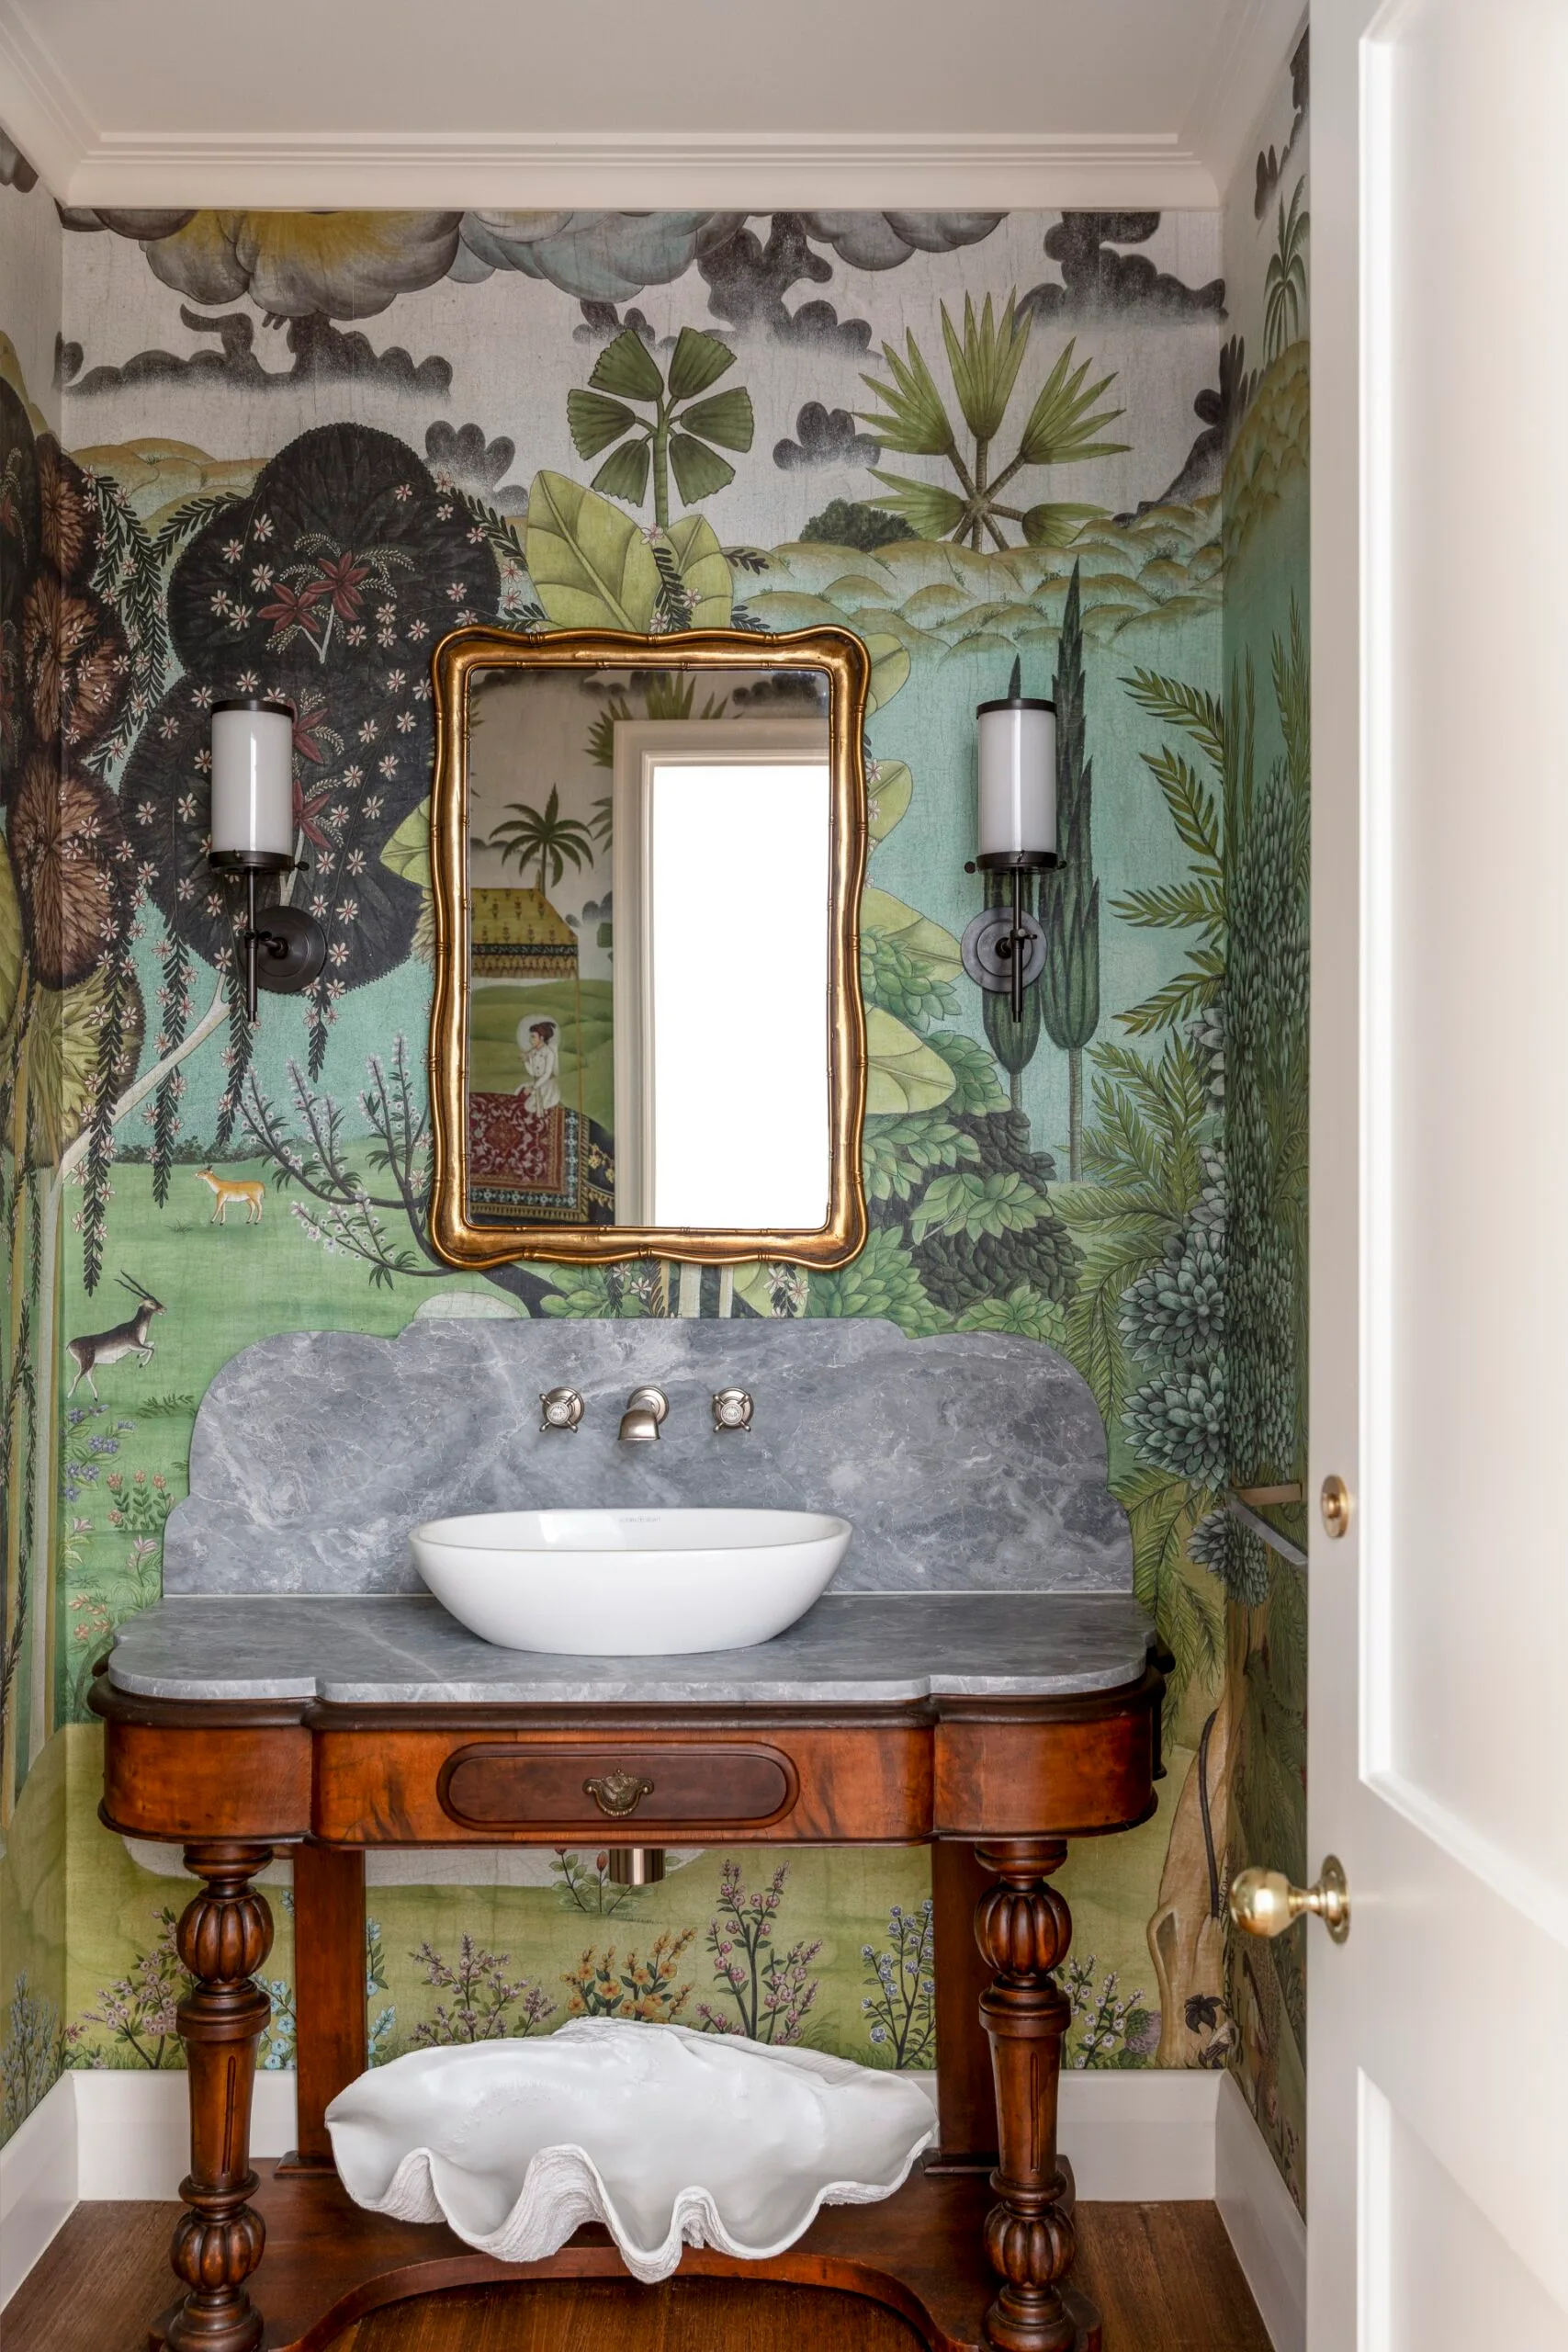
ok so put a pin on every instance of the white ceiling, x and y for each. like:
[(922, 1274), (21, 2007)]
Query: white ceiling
[(626, 102)]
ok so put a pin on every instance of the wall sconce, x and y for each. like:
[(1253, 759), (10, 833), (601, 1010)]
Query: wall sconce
[(253, 833), (1005, 946)]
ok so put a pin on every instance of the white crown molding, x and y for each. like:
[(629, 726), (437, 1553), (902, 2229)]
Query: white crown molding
[(755, 173), (1251, 49), (37, 105)]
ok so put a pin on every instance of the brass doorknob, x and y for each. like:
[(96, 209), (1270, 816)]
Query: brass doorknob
[(1264, 1902), (1336, 1504)]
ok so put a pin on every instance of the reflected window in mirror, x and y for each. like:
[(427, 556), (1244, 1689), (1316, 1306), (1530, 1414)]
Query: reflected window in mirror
[(659, 1015), (721, 872)]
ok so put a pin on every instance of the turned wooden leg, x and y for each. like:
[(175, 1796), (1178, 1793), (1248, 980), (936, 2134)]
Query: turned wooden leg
[(224, 1938), (1023, 1927)]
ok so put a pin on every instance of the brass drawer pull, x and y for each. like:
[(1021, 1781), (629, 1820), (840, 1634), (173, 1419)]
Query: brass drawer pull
[(617, 1793)]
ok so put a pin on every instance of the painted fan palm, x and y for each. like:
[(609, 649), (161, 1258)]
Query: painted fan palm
[(1285, 286), (679, 438), (543, 837), (1061, 428)]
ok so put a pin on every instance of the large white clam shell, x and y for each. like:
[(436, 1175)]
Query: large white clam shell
[(669, 2138)]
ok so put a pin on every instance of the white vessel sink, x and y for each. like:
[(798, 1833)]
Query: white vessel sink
[(629, 1583)]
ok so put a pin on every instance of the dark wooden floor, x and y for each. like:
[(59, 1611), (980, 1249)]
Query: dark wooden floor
[(1163, 2274)]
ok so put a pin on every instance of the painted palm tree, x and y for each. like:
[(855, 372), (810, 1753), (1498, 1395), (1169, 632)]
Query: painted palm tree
[(1285, 286), (543, 836), (679, 437), (1061, 428)]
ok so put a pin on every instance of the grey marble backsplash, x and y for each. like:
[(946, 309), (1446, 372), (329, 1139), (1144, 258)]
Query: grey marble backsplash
[(974, 1461)]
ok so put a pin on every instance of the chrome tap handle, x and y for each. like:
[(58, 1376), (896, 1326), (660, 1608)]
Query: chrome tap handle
[(561, 1409), (731, 1410)]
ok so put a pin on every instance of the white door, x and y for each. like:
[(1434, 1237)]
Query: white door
[(1438, 2062)]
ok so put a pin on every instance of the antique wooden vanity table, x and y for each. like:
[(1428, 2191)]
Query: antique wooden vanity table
[(997, 1725)]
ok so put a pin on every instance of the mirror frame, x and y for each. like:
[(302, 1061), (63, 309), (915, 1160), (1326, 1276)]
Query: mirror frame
[(455, 1238)]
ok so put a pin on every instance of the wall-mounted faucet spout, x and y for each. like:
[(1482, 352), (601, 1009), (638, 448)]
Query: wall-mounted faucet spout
[(646, 1407)]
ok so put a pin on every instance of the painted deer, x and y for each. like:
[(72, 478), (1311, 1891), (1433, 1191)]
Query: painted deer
[(224, 1190), (125, 1340)]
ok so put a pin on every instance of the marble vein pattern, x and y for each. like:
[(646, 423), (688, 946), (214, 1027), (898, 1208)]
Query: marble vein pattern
[(970, 1460), (871, 1648)]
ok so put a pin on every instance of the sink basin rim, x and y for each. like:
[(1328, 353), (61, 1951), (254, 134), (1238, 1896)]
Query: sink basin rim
[(728, 1529)]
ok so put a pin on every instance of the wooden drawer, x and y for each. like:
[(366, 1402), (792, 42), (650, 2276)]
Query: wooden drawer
[(488, 1786), (384, 1779)]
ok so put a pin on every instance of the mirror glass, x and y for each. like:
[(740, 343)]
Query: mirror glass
[(648, 1001)]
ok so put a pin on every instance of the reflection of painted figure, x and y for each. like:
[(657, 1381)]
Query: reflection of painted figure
[(536, 1043)]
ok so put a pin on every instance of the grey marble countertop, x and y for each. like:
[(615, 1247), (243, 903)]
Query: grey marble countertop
[(404, 1650)]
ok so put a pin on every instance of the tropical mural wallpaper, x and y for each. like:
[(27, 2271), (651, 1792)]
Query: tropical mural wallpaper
[(282, 453)]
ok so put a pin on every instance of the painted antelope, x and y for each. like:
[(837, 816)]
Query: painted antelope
[(125, 1340), (224, 1190)]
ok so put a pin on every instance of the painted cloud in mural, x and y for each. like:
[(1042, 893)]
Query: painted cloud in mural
[(461, 455), (316, 350), (599, 257), (346, 265), (883, 240), (1100, 282), (1271, 163), (827, 437), (15, 169), (352, 264)]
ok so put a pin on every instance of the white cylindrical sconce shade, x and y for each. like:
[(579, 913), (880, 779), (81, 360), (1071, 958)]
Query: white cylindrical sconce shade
[(252, 785), (1018, 782)]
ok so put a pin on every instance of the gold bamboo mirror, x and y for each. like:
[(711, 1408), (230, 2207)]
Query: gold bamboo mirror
[(647, 1039)]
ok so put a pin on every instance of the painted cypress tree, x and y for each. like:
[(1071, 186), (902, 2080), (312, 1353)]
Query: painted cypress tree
[(1068, 992), (1013, 1042)]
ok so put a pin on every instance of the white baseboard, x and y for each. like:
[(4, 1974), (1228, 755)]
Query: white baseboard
[(1139, 2137), (133, 2132), (1261, 2219), (37, 2184)]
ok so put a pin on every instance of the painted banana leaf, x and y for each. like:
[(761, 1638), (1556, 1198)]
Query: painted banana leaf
[(407, 851), (916, 933), (889, 669), (591, 566), (887, 797), (704, 571), (902, 1073)]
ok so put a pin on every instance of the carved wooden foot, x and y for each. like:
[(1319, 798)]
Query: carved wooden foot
[(224, 1938), (1023, 1927)]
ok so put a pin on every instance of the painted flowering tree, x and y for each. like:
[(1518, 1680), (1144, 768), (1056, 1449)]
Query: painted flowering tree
[(75, 675), (325, 588)]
